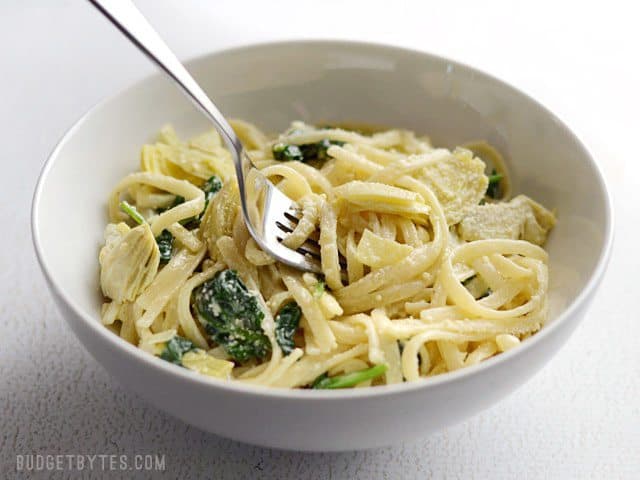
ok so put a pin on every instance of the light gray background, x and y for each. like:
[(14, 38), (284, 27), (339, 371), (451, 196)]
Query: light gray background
[(578, 418)]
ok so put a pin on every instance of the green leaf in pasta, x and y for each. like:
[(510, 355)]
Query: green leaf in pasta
[(232, 316), (348, 379), (165, 245), (304, 153), (176, 348), (493, 189), (133, 213), (287, 321)]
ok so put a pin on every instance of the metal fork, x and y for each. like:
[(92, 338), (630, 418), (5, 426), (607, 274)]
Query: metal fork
[(268, 213)]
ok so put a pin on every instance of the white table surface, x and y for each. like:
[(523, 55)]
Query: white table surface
[(578, 418)]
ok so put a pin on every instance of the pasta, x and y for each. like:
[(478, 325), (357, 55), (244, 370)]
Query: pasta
[(428, 266)]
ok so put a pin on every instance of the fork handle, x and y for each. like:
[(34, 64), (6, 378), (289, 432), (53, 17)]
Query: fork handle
[(128, 19)]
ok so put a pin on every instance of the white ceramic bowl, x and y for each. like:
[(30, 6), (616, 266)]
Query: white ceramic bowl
[(272, 84)]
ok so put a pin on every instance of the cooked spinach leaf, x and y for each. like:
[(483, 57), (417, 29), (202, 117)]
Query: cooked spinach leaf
[(176, 348), (493, 189), (304, 153), (287, 321), (232, 316), (284, 152), (210, 188), (165, 245)]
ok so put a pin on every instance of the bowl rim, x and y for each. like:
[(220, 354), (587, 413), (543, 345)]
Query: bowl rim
[(150, 361)]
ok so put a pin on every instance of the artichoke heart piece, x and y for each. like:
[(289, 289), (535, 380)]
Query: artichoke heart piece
[(189, 164), (129, 261), (458, 182), (220, 215), (195, 161), (209, 141), (521, 218), (153, 160)]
